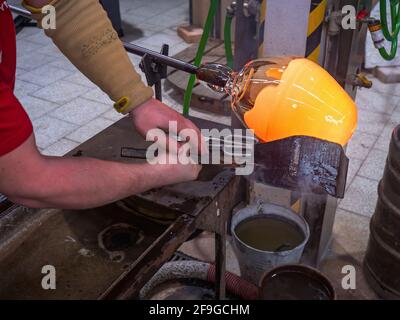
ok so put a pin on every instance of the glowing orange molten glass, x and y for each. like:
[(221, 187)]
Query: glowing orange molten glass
[(283, 97)]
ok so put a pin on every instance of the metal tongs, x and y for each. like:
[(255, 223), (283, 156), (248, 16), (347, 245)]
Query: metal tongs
[(300, 163), (230, 149)]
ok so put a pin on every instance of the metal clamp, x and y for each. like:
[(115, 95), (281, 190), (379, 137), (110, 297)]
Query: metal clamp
[(251, 8), (231, 9), (155, 71)]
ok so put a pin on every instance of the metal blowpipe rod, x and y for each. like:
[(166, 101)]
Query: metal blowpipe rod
[(214, 74), (20, 11), (160, 58)]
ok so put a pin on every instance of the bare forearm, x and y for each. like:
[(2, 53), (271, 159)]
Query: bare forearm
[(36, 181), (79, 183)]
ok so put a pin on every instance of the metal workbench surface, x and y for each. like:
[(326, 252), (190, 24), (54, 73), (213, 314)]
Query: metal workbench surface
[(109, 252)]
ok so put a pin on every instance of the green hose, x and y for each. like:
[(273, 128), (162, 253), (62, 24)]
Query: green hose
[(228, 40), (199, 55), (393, 35)]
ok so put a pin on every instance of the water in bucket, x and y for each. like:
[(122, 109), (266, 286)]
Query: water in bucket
[(266, 236), (269, 233)]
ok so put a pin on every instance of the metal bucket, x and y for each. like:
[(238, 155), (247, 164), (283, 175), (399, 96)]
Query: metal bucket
[(253, 262), (382, 259), (295, 282)]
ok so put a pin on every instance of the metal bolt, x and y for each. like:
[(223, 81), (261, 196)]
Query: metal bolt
[(218, 210), (360, 80)]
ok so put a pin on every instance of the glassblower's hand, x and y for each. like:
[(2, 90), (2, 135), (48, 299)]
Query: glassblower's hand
[(154, 114), (176, 173)]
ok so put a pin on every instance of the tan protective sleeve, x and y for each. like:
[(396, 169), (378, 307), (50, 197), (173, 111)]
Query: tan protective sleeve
[(85, 35)]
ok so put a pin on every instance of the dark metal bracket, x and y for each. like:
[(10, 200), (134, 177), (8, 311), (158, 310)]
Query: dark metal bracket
[(155, 71), (20, 22)]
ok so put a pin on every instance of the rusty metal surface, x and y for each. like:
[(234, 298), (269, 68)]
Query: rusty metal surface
[(109, 252), (304, 164), (191, 200), (213, 217), (313, 209), (70, 242), (5, 204), (185, 198), (128, 285), (216, 218)]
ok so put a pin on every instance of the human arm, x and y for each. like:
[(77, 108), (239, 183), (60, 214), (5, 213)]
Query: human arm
[(85, 35), (108, 66), (37, 181)]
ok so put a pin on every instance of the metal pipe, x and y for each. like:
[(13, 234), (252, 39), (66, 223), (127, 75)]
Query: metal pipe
[(20, 11), (158, 57)]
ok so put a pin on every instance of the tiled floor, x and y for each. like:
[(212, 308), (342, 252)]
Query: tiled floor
[(67, 109), (379, 113)]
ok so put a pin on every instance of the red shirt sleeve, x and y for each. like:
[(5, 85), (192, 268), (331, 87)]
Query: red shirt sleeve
[(15, 125)]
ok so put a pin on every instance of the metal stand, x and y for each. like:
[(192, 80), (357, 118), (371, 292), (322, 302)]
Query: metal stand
[(20, 22), (319, 212), (216, 221), (155, 71), (245, 39)]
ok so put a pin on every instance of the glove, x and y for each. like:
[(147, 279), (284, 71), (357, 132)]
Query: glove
[(85, 35)]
